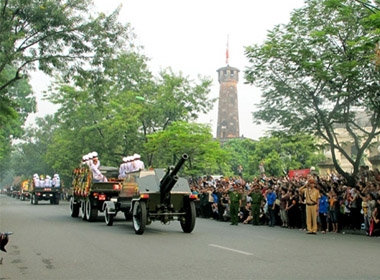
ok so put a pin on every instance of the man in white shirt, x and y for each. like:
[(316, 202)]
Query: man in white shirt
[(138, 163), (48, 181), (56, 182), (123, 168), (97, 176)]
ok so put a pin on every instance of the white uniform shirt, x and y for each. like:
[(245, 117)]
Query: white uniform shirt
[(36, 182), (139, 164), (48, 183), (56, 182)]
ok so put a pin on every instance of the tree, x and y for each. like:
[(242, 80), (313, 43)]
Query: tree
[(195, 140), (56, 37), (240, 151), (15, 105), (317, 72), (172, 97)]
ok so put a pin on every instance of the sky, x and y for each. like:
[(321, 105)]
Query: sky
[(191, 37)]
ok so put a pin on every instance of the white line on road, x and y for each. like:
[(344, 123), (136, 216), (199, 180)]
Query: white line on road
[(230, 249)]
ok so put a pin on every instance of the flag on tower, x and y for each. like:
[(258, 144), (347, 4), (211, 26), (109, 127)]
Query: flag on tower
[(227, 52)]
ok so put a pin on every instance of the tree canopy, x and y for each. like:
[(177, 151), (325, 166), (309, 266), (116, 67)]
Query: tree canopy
[(317, 73), (60, 38)]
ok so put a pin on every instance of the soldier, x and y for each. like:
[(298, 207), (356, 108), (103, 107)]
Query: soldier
[(235, 204), (138, 162), (48, 181), (42, 181), (133, 164), (96, 174), (123, 168), (257, 198), (56, 182), (36, 180)]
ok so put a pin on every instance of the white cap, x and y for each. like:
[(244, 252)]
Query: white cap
[(135, 156), (48, 177), (94, 154), (35, 175), (125, 159), (56, 175)]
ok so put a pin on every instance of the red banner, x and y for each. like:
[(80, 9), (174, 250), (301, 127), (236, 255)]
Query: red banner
[(298, 173)]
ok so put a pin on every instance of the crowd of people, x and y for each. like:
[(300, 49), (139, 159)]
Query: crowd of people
[(311, 203)]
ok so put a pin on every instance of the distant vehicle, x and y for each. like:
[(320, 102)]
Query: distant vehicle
[(16, 191), (24, 193), (37, 193)]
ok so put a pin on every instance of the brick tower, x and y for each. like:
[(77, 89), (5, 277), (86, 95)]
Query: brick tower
[(228, 110)]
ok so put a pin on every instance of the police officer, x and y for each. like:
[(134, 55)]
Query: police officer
[(311, 195), (235, 204), (257, 198)]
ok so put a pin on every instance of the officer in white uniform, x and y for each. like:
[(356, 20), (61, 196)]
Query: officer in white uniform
[(123, 168), (36, 180), (139, 164), (48, 181), (95, 164), (56, 182)]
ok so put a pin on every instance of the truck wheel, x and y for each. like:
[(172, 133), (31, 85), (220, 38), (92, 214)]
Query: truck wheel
[(31, 199), (83, 210), (188, 221), (139, 217), (108, 217), (91, 211), (34, 199), (22, 198), (74, 208), (56, 202)]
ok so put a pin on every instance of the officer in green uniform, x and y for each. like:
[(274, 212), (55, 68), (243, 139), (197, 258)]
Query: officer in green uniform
[(257, 198), (235, 204)]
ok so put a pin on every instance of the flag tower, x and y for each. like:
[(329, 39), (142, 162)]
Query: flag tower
[(228, 109)]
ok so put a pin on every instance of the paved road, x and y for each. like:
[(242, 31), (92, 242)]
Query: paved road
[(49, 244)]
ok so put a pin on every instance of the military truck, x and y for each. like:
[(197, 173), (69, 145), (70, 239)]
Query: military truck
[(154, 195), (52, 194), (15, 191), (87, 197), (25, 190)]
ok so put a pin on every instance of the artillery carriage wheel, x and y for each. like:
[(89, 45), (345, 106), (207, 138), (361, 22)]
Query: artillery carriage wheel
[(188, 221), (108, 217), (91, 211), (74, 208), (139, 217)]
